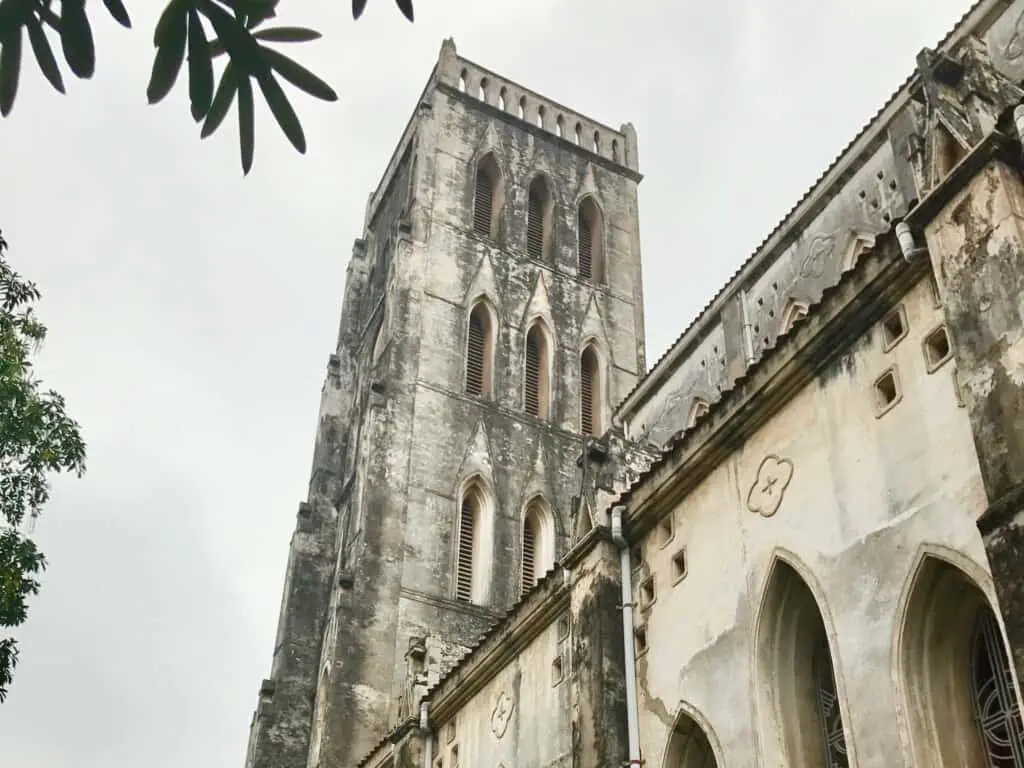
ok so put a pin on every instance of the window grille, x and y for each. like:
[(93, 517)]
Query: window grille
[(534, 358), (995, 700), (476, 353), (586, 246), (483, 203), (830, 718), (529, 553), (535, 225), (588, 399), (464, 575)]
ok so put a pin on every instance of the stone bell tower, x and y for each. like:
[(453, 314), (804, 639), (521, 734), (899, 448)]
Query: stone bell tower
[(492, 319)]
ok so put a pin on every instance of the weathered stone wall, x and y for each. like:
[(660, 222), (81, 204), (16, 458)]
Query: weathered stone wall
[(852, 497)]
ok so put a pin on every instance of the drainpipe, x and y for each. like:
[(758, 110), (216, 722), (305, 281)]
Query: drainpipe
[(428, 748), (748, 337), (626, 567)]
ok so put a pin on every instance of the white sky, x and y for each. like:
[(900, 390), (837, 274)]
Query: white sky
[(191, 311)]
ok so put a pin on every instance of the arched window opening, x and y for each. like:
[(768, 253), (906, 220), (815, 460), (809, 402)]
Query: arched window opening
[(597, 142), (540, 116), (799, 704), (481, 90), (538, 549), (579, 134), (689, 746), (560, 127), (480, 352), (487, 198), (961, 700), (470, 576), (591, 400), (522, 108), (502, 102), (538, 219), (615, 150), (462, 81), (590, 245), (698, 409), (537, 376)]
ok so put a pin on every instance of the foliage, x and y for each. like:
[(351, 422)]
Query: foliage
[(181, 35), (36, 439)]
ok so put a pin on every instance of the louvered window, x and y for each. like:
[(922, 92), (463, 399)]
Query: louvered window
[(533, 372), (589, 393), (464, 575), (535, 215), (476, 353), (483, 203), (586, 247), (529, 554)]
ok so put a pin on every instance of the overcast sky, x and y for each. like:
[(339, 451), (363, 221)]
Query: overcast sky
[(191, 312)]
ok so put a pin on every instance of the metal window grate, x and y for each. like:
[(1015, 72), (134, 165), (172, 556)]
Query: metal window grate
[(995, 700), (588, 375), (476, 353), (829, 714), (483, 203), (529, 554), (464, 571)]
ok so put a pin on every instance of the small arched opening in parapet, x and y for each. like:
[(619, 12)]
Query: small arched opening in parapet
[(503, 99), (473, 536), (799, 703), (592, 385), (698, 409), (590, 241), (794, 312), (522, 107), (541, 111), (537, 370), (615, 150), (481, 338), (538, 550), (539, 218), (481, 91), (597, 143), (579, 134), (560, 127), (960, 698), (462, 80), (488, 197), (690, 744)]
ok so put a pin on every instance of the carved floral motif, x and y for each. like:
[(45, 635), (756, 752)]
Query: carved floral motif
[(818, 253), (773, 476), (501, 714)]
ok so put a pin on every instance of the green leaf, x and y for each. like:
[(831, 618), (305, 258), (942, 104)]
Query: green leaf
[(221, 100), (168, 17), (76, 38), (405, 6), (299, 76), (10, 69), (239, 42), (44, 54), (200, 67), (358, 6), (282, 111), (119, 12), (217, 48), (287, 35), (246, 123), (170, 54)]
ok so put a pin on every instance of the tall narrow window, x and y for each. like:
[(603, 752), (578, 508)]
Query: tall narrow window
[(479, 352), (590, 246), (538, 220), (995, 699), (538, 551), (537, 376), (469, 523), (487, 198), (590, 393)]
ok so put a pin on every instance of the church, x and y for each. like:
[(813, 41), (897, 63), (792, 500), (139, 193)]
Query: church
[(796, 539)]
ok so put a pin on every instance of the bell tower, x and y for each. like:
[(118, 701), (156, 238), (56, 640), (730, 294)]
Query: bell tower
[(492, 319)]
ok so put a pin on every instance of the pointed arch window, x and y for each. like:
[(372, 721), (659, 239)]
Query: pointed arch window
[(471, 563), (488, 197), (538, 220), (538, 550), (590, 245), (591, 396), (480, 351), (537, 373), (794, 312), (689, 746), (698, 409)]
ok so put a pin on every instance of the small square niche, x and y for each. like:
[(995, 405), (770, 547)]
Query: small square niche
[(647, 593), (937, 349), (666, 530), (894, 328), (678, 566), (640, 640), (886, 391)]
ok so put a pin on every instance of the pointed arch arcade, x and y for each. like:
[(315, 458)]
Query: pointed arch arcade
[(481, 337), (591, 391), (538, 551), (539, 218), (537, 370), (473, 536), (488, 197), (590, 241)]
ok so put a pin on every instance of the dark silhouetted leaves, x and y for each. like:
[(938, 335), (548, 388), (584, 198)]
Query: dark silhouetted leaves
[(358, 6), (282, 110), (226, 90), (405, 6), (200, 67), (10, 69), (246, 123), (170, 53), (76, 38), (286, 35), (44, 54), (299, 76), (119, 12)]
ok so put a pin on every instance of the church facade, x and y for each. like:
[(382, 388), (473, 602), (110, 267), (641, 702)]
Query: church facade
[(794, 540)]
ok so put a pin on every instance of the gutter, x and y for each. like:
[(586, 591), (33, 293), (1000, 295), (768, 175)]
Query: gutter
[(626, 567)]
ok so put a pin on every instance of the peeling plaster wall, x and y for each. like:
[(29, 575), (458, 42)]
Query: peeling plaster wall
[(867, 495)]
